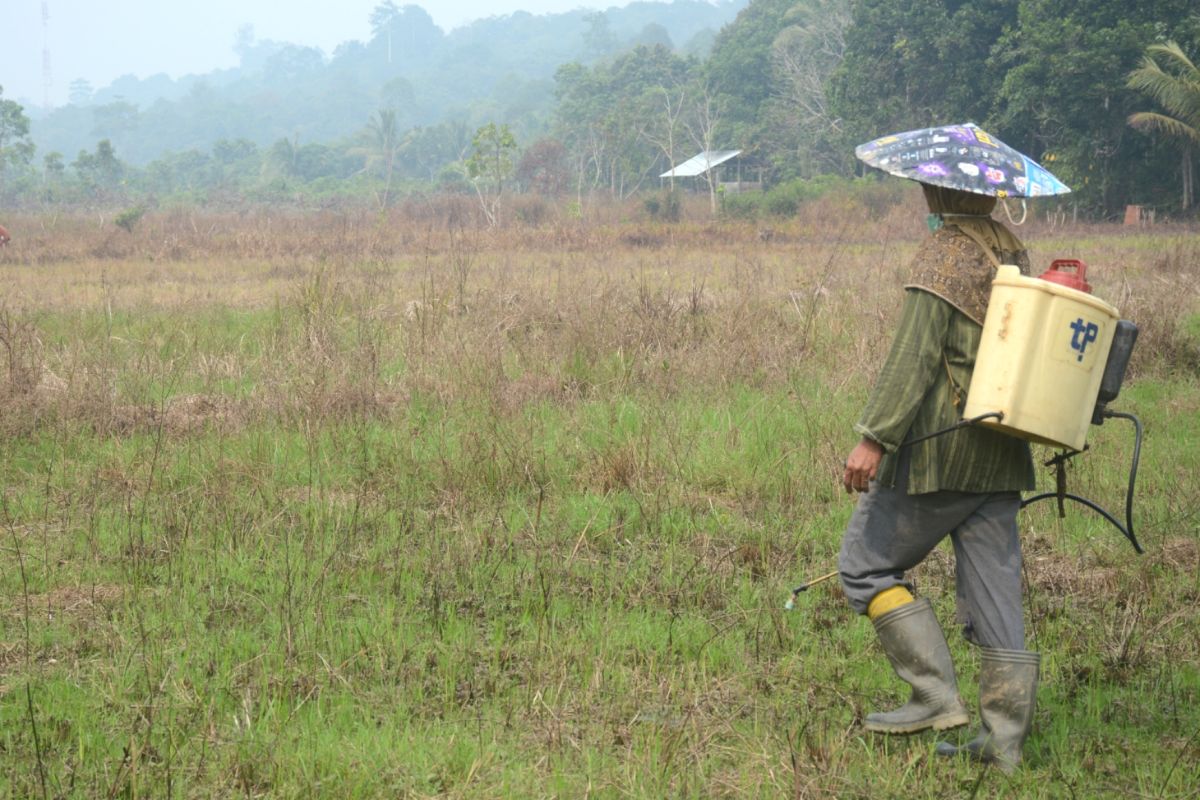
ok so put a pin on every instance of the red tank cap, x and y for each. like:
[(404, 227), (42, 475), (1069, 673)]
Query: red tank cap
[(1069, 272)]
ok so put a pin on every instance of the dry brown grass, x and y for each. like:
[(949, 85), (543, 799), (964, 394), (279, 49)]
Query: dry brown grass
[(513, 315), (671, 535)]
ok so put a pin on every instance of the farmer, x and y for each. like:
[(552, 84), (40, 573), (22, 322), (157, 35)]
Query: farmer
[(965, 485)]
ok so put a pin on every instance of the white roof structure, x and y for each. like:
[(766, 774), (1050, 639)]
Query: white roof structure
[(700, 164)]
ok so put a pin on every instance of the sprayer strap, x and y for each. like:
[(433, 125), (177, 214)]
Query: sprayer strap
[(983, 245), (955, 391)]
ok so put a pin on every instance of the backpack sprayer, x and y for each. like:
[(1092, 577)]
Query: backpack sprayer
[(1051, 358)]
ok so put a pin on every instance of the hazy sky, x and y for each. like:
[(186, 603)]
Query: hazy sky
[(101, 41)]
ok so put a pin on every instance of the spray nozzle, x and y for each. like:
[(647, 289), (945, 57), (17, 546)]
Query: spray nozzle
[(804, 587)]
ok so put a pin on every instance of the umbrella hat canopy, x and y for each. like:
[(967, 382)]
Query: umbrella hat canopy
[(963, 157)]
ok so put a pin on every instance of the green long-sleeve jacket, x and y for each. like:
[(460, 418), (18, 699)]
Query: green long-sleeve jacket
[(922, 388)]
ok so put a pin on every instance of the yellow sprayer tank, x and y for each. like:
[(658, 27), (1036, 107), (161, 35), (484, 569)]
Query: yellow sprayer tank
[(1040, 359)]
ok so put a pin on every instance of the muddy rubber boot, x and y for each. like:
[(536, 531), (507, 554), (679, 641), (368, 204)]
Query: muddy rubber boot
[(916, 646), (1007, 690)]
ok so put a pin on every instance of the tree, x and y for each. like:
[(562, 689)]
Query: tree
[(189, 170), (80, 92), (543, 168), (281, 159), (1065, 68), (383, 18), (108, 167), (380, 144), (315, 160), (16, 148), (243, 41), (100, 171), (406, 33), (702, 126), (917, 63), (52, 164), (1175, 84), (653, 34), (424, 152), (490, 165), (292, 63), (53, 169), (664, 130), (114, 119), (398, 95), (611, 116), (598, 39), (800, 126), (233, 161), (253, 54), (227, 152), (740, 68)]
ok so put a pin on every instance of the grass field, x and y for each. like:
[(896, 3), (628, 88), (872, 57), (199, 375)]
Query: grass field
[(332, 505)]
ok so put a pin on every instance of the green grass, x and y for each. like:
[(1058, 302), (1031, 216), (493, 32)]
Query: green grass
[(546, 560)]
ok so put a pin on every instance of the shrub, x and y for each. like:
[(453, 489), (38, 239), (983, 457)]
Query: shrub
[(664, 205), (129, 218), (748, 205)]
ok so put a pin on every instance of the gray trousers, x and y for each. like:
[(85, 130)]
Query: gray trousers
[(891, 532)]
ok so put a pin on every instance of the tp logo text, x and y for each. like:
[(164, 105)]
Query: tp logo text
[(1085, 334)]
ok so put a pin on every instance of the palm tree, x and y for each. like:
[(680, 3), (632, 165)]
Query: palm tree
[(1175, 84), (380, 146)]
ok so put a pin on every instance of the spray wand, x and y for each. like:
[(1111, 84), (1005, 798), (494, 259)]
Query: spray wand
[(804, 587)]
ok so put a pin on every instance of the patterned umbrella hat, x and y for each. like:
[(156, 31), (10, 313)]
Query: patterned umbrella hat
[(963, 157)]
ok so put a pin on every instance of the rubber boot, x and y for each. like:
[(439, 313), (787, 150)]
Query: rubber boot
[(916, 646), (1007, 689)]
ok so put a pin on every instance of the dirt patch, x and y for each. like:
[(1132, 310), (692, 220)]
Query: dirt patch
[(180, 415), (1066, 576), (76, 602), (1181, 555), (333, 499), (529, 389), (195, 412)]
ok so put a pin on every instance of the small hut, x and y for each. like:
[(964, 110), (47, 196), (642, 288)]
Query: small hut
[(721, 169)]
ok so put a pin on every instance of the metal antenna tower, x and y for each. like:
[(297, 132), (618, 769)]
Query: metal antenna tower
[(47, 81)]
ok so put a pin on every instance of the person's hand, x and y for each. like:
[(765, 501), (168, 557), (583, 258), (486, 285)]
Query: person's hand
[(862, 465)]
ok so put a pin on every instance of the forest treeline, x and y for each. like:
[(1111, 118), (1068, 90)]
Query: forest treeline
[(1104, 92)]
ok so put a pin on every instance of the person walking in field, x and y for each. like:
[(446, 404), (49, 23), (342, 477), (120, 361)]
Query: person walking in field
[(965, 485)]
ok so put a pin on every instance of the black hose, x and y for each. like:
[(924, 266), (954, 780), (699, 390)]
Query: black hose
[(962, 423), (1083, 500), (1127, 528), (1137, 453)]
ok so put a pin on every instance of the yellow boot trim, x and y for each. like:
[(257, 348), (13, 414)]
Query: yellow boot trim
[(888, 600)]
